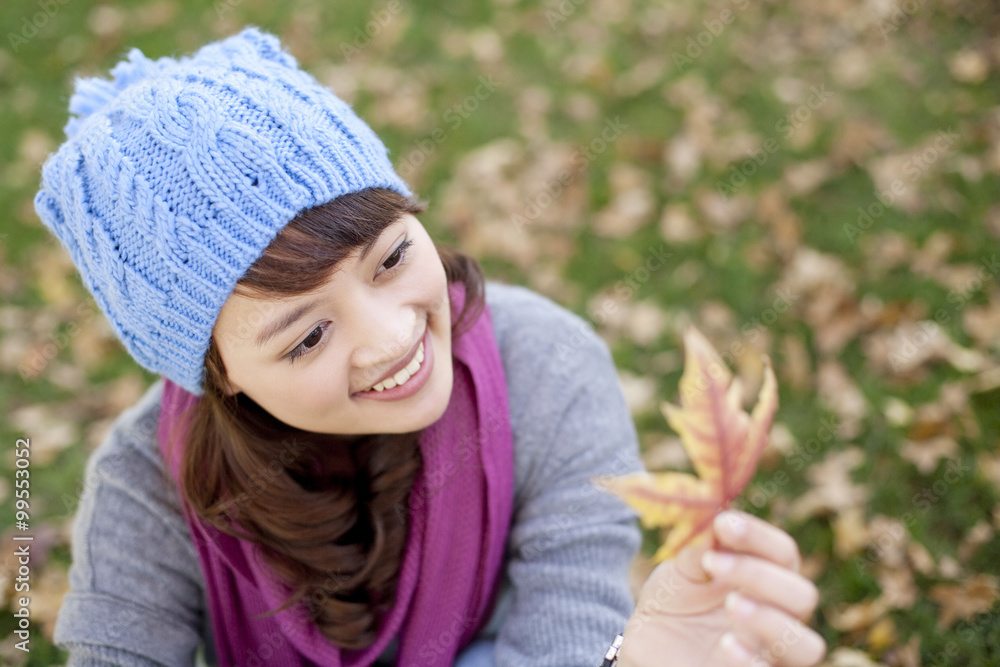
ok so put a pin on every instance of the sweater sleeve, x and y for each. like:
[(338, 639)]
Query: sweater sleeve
[(136, 593), (570, 544), (136, 590)]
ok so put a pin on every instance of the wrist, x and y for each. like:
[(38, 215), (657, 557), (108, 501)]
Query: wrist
[(624, 657), (634, 651), (611, 655)]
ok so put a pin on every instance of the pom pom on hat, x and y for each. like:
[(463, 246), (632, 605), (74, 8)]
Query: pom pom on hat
[(177, 173), (93, 94)]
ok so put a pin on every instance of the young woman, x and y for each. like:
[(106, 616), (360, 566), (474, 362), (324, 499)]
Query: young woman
[(360, 452)]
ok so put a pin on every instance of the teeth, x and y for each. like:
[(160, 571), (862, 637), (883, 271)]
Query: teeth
[(404, 374)]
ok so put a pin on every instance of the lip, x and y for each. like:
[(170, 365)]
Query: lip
[(415, 383)]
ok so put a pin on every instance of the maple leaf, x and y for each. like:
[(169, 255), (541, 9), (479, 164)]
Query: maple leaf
[(723, 442)]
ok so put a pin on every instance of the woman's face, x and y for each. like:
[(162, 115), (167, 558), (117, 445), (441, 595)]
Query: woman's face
[(310, 360)]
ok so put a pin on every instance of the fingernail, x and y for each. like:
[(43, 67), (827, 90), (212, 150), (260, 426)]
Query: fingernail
[(717, 563), (733, 647), (732, 522), (740, 605)]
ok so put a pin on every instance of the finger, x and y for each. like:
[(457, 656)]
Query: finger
[(746, 533), (735, 653), (771, 636), (688, 563), (764, 581)]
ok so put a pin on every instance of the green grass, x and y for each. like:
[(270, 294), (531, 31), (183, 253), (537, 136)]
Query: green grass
[(911, 95)]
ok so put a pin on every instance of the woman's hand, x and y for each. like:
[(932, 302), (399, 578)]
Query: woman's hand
[(748, 610)]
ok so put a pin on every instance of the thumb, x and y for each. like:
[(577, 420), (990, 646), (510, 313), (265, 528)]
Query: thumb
[(688, 563)]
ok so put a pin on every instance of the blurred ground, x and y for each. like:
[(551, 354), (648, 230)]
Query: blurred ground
[(817, 180)]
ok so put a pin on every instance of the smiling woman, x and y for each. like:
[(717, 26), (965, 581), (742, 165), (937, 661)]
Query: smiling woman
[(360, 452), (346, 295), (361, 272)]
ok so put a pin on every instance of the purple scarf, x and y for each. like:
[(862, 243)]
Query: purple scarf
[(459, 519)]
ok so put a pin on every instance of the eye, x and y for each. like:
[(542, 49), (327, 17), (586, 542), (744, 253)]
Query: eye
[(315, 338), (311, 342), (398, 256)]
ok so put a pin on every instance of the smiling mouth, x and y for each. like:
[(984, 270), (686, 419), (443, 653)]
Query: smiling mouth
[(403, 375), (404, 370), (421, 360)]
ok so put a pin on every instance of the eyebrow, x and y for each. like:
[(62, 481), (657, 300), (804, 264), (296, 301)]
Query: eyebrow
[(367, 248), (279, 325)]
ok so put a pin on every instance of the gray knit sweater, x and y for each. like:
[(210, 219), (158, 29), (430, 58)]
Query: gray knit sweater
[(137, 595)]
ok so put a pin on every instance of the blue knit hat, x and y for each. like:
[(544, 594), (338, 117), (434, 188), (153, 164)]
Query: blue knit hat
[(177, 174)]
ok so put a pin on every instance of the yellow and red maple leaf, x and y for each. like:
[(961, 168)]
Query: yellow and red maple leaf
[(723, 442)]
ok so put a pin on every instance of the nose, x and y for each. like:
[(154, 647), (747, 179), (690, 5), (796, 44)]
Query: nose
[(383, 333)]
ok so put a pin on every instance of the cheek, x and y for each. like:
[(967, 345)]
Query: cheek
[(433, 282), (320, 391)]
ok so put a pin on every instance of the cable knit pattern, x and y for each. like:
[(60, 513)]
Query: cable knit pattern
[(177, 174)]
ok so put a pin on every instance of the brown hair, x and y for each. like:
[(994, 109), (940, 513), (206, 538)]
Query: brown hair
[(328, 511)]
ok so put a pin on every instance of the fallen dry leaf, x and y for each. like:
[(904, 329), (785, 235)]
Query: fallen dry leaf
[(785, 225), (850, 532), (831, 489), (849, 657), (839, 392), (925, 454), (969, 66), (905, 655), (632, 204), (860, 616), (723, 442), (979, 535), (882, 635), (920, 558), (898, 588), (677, 226), (965, 599)]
